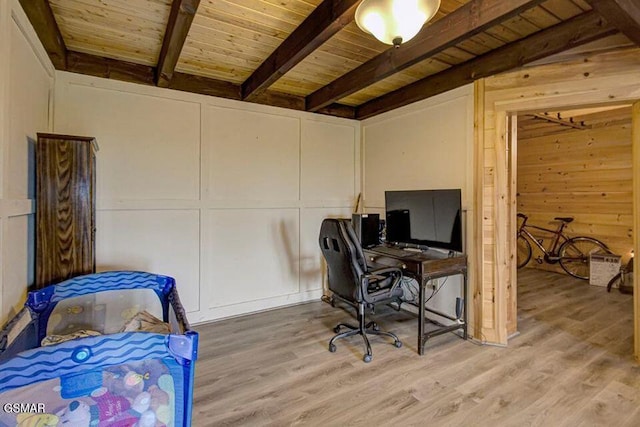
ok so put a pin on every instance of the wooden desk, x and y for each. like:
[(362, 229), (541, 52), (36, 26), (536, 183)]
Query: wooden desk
[(423, 267)]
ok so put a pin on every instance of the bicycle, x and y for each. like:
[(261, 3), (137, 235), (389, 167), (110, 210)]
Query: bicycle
[(624, 279), (572, 253)]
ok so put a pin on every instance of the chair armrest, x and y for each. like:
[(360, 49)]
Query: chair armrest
[(381, 273)]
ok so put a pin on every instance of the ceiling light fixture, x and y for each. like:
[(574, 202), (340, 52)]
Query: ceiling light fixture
[(395, 21)]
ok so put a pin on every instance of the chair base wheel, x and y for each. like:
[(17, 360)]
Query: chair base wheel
[(363, 329)]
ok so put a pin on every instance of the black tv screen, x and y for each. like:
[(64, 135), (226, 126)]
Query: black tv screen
[(431, 218)]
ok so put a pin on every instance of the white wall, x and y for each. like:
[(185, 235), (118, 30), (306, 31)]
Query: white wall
[(26, 81), (426, 145), (226, 197)]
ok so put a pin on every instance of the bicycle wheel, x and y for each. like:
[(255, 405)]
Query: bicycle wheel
[(574, 255), (524, 251)]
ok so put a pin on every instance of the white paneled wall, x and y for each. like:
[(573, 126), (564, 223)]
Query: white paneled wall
[(327, 162), (426, 145), (149, 145), (125, 238), (26, 81), (256, 244), (226, 197), (251, 155)]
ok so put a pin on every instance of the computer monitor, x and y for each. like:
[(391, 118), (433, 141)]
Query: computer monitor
[(425, 218)]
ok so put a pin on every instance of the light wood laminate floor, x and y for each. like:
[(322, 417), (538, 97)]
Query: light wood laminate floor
[(571, 365)]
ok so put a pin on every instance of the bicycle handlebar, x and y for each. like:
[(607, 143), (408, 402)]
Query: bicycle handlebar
[(521, 215)]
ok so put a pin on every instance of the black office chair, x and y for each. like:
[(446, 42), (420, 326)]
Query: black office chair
[(350, 280)]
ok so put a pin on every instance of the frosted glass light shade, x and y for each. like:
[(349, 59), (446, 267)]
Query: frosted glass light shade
[(395, 21)]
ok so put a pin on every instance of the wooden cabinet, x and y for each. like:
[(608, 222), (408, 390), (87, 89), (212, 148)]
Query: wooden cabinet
[(65, 207)]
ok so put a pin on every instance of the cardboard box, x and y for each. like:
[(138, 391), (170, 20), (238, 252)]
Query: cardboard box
[(602, 267)]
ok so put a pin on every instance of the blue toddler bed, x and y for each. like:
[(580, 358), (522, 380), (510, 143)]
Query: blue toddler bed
[(106, 349)]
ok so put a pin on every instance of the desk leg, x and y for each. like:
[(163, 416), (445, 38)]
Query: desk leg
[(421, 317)]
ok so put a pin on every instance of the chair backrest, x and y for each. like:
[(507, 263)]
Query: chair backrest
[(345, 259)]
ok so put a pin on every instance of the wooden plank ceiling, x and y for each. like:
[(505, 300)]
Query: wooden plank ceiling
[(309, 54)]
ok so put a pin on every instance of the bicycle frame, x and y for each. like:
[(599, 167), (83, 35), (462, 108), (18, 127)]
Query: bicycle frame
[(551, 255), (572, 253)]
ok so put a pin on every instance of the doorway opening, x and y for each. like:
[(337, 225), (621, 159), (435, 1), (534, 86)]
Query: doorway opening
[(573, 172)]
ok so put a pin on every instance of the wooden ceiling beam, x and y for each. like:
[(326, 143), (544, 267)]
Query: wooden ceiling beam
[(623, 14), (325, 21), (461, 24), (180, 19), (204, 86), (582, 29), (222, 89), (44, 23), (92, 65), (107, 68)]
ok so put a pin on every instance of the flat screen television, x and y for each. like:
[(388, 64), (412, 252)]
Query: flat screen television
[(424, 218)]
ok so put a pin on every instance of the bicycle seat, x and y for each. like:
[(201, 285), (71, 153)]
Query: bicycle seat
[(564, 219)]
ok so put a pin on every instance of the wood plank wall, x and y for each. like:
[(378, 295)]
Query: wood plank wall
[(585, 174), (590, 80)]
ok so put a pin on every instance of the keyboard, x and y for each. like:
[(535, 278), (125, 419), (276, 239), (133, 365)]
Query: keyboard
[(395, 252)]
